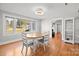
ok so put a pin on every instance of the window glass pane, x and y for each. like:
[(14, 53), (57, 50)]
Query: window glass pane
[(9, 25), (22, 25)]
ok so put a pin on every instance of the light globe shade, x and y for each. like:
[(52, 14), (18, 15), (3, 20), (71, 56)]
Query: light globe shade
[(39, 11)]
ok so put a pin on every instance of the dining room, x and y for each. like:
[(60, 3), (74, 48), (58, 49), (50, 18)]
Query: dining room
[(39, 29)]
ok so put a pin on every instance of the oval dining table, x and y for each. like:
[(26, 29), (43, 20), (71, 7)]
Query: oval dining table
[(35, 37)]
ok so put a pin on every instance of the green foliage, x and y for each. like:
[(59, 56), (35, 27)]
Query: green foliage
[(22, 22), (9, 24)]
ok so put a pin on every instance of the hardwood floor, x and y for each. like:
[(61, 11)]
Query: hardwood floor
[(56, 47)]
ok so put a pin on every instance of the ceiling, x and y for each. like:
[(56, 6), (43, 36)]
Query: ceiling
[(51, 9)]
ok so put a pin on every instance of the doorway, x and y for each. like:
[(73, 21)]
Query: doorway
[(59, 27)]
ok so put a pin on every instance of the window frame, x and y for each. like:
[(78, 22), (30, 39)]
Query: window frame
[(14, 24), (14, 27)]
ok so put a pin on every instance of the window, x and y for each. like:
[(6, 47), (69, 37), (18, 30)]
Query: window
[(22, 25), (17, 25), (9, 25)]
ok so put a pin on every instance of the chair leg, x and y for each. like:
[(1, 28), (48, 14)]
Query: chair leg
[(26, 51), (44, 47), (32, 48), (38, 45), (22, 50)]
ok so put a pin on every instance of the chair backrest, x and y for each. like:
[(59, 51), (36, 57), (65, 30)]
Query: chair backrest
[(46, 37), (24, 36), (25, 39)]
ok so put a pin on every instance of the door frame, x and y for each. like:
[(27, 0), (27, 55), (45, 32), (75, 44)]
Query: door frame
[(52, 21)]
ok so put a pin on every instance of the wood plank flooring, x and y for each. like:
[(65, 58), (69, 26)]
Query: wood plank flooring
[(56, 47)]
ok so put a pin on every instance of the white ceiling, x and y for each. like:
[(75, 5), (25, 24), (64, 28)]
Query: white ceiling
[(51, 9)]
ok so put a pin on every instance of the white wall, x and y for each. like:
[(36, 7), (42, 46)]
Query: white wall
[(68, 11), (46, 25), (1, 24)]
